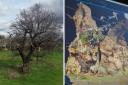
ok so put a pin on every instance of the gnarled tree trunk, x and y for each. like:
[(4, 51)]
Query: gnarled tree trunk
[(26, 65), (26, 60)]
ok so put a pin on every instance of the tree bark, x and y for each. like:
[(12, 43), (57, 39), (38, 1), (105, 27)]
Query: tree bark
[(26, 60), (37, 54), (26, 65)]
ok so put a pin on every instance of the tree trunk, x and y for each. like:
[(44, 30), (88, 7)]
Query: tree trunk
[(26, 59), (26, 65), (37, 54)]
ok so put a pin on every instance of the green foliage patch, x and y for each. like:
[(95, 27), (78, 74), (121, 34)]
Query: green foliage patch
[(48, 71)]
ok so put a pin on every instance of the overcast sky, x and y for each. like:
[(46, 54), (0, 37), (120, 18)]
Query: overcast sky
[(10, 8)]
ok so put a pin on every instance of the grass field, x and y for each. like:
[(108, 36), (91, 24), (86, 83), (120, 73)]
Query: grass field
[(49, 70)]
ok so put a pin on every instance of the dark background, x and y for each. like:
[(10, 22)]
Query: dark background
[(122, 1)]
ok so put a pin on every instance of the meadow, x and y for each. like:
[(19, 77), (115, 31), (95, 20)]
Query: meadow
[(48, 70)]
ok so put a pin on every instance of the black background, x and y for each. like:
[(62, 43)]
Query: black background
[(122, 1)]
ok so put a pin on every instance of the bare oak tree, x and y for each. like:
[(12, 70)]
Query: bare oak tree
[(31, 28)]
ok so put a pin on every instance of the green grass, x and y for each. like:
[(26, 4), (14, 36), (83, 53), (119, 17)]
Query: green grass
[(49, 70)]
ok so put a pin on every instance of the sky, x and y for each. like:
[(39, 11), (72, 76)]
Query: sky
[(9, 9)]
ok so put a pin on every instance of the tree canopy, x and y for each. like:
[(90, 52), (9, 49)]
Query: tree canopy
[(31, 28)]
